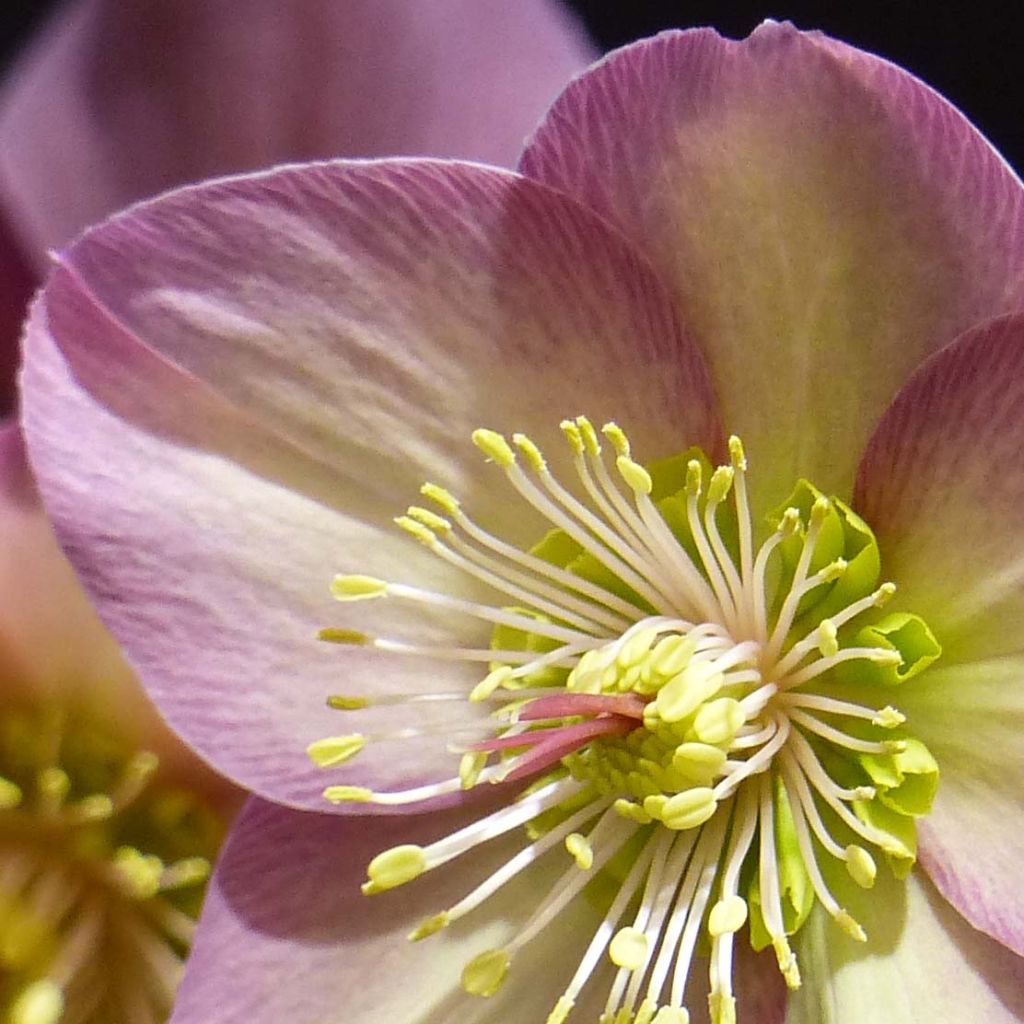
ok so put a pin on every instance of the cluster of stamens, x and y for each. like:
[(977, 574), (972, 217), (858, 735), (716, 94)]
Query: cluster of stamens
[(101, 873), (665, 685)]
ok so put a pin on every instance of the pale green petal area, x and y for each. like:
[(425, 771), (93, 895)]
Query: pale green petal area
[(922, 964), (824, 219), (942, 483), (972, 718)]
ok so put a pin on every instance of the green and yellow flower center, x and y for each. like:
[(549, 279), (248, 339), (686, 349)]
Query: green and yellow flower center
[(102, 869), (706, 707)]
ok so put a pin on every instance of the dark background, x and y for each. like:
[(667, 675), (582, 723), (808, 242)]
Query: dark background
[(971, 52)]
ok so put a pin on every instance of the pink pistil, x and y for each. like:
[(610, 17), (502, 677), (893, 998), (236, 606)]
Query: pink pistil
[(568, 705)]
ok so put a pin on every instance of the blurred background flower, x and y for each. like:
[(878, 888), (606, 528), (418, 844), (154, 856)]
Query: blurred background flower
[(112, 102)]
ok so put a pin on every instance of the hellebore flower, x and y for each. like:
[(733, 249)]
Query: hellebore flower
[(191, 96), (230, 392), (108, 826)]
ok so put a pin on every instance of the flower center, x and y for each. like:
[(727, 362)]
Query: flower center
[(101, 873), (711, 712)]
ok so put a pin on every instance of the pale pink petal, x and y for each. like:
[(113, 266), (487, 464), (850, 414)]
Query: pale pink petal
[(942, 483), (287, 935), (922, 964), (824, 219), (119, 101), (231, 391)]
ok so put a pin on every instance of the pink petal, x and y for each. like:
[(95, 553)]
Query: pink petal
[(230, 391), (824, 219), (201, 89), (942, 483), (287, 935)]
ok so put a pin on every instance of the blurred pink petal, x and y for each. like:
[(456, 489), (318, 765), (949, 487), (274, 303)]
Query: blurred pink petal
[(116, 102)]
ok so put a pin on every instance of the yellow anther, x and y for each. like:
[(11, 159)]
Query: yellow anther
[(671, 1015), (685, 692), (721, 482), (394, 867), (471, 764), (629, 948), (618, 438), (580, 849), (490, 682), (864, 793), (694, 477), (53, 783), (787, 961), (431, 926), (533, 454), (819, 510), (737, 455), (10, 795), (834, 570), (718, 721), (727, 915), (672, 654), (789, 525), (828, 638), (431, 520), (332, 750), (441, 497), (889, 718), (861, 866), (357, 587), (894, 746), (688, 809), (340, 702), (722, 1008), (631, 811), (97, 807), (486, 972), (698, 759), (849, 925), (573, 436), (141, 873), (561, 1012), (348, 794), (590, 438), (42, 1002), (883, 594), (186, 872), (637, 478), (635, 648), (350, 637), (416, 530), (494, 446)]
